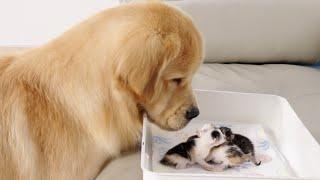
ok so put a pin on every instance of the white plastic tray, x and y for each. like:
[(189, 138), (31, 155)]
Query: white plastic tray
[(295, 153)]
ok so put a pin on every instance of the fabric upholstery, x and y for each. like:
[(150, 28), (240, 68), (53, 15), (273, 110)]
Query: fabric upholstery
[(261, 31)]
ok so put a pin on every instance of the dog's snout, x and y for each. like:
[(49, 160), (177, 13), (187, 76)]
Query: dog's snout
[(192, 113), (215, 134)]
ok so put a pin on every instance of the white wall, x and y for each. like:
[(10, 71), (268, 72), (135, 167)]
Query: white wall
[(33, 22)]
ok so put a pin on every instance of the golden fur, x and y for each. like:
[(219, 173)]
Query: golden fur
[(71, 105)]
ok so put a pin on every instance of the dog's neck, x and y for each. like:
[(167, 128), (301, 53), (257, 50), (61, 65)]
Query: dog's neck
[(127, 114)]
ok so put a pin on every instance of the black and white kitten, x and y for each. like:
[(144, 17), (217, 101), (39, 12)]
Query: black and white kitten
[(235, 151), (195, 149)]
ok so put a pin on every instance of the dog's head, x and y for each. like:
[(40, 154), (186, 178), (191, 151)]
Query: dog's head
[(159, 54)]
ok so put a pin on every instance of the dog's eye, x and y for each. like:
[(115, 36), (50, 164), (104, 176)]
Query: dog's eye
[(177, 80)]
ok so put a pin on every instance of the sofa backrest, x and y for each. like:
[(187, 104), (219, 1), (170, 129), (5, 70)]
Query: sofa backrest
[(257, 31)]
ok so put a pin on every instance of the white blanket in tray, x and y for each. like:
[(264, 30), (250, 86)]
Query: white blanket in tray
[(272, 164)]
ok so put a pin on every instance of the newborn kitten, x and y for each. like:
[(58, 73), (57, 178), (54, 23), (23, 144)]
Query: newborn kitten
[(235, 151), (195, 149)]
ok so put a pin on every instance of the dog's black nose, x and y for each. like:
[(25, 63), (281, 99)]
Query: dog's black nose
[(192, 113)]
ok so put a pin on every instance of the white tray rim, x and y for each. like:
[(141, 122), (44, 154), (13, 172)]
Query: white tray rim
[(146, 123)]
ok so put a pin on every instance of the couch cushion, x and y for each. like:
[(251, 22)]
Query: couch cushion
[(257, 31)]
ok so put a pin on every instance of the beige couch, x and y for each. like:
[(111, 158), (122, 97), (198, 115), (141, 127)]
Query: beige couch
[(245, 31)]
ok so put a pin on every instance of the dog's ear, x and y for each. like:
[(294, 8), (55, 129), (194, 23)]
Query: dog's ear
[(142, 58)]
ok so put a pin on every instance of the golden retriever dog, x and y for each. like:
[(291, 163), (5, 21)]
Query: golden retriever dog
[(72, 105)]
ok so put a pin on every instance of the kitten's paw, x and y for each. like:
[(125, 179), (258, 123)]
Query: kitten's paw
[(181, 166), (213, 168), (218, 162), (218, 168), (209, 168)]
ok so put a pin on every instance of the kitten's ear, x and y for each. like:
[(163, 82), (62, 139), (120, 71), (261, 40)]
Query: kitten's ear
[(212, 125), (199, 132), (205, 127), (232, 136)]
